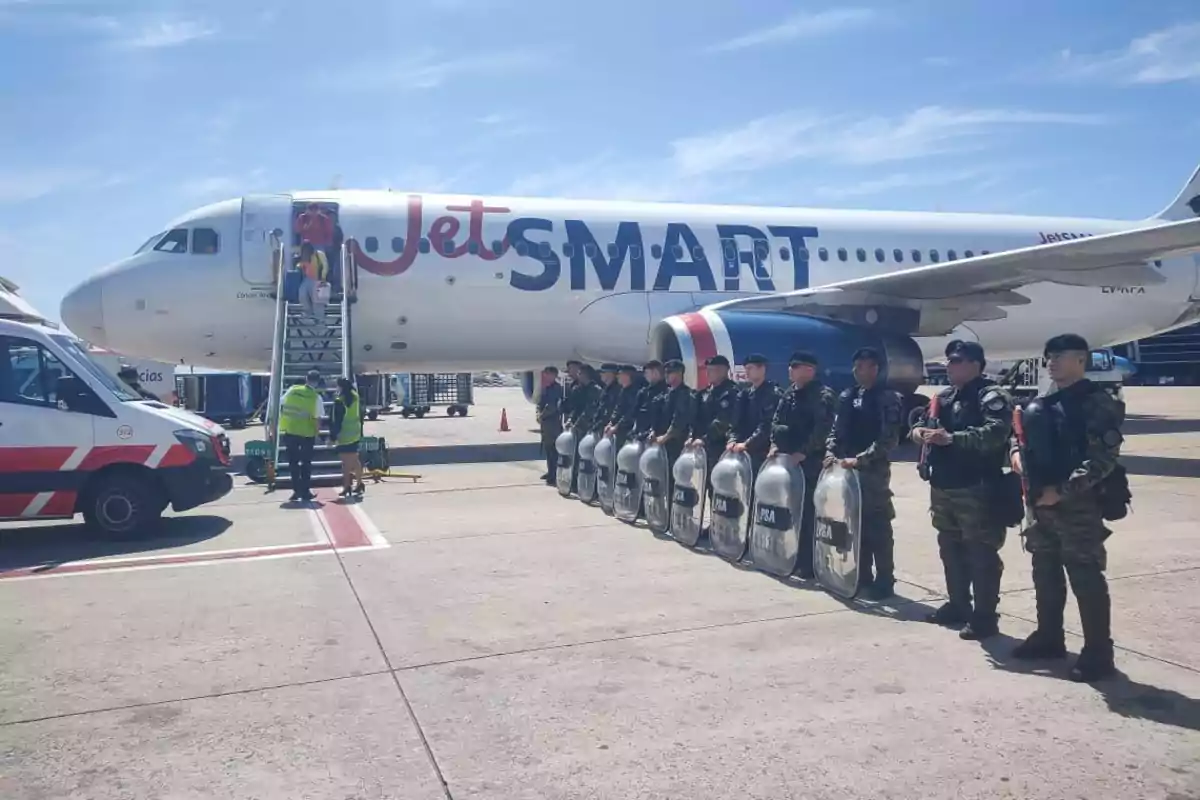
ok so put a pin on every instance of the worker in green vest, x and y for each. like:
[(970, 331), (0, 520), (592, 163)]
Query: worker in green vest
[(299, 422), (346, 430)]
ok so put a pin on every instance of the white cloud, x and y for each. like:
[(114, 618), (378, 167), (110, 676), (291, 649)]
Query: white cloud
[(34, 184), (801, 26), (428, 69), (928, 131), (221, 187), (1165, 56), (162, 34), (903, 180)]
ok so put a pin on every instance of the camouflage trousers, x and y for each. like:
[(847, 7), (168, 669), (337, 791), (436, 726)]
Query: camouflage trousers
[(1069, 537), (969, 543), (878, 539)]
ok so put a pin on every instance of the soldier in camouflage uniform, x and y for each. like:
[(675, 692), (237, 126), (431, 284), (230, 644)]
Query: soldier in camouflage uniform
[(968, 443), (803, 420), (1084, 443), (866, 430)]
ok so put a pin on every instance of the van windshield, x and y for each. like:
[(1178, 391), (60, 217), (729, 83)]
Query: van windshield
[(79, 358)]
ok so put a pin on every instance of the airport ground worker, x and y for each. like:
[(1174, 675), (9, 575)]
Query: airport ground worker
[(346, 430), (299, 423)]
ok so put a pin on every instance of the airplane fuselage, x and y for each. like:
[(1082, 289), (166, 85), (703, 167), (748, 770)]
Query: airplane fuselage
[(458, 283)]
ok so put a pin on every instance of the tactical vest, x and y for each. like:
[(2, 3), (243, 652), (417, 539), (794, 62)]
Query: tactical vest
[(298, 412), (351, 430), (859, 420), (952, 467)]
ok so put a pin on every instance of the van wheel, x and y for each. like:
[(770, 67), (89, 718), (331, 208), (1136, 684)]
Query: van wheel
[(256, 469), (373, 415), (123, 506)]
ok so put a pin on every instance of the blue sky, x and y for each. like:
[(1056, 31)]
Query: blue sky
[(120, 115)]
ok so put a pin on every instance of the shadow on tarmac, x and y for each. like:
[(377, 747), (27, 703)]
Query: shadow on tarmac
[(1124, 696), (50, 546)]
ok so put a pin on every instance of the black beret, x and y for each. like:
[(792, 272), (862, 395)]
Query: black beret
[(1065, 341), (718, 361), (867, 353), (971, 351), (628, 368), (756, 358), (674, 365), (653, 363), (803, 357), (608, 366)]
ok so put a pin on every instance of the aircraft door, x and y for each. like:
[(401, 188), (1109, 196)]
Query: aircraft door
[(262, 214)]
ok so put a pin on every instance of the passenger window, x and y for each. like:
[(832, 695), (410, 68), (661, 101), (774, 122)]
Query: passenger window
[(879, 255), (784, 254), (589, 250), (842, 254), (612, 250), (951, 255), (656, 251), (473, 247), (731, 251), (423, 245), (916, 256), (568, 250), (205, 241), (898, 256), (635, 251), (968, 254), (802, 253), (762, 249), (862, 254), (677, 251), (822, 254), (371, 244), (497, 246), (448, 247), (174, 242), (933, 256), (397, 244), (521, 248), (986, 253), (29, 373), (544, 250)]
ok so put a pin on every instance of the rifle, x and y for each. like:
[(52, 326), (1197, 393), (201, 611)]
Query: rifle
[(1022, 448), (931, 421)]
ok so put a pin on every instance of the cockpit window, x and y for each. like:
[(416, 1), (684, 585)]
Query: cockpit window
[(149, 243), (174, 242), (205, 241)]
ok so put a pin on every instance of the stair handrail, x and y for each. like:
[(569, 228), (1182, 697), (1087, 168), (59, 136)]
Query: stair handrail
[(278, 343), (349, 290)]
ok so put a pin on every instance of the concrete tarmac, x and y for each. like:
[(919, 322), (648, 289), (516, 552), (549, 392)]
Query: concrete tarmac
[(474, 635)]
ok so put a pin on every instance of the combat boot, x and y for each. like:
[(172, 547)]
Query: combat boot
[(950, 615), (1095, 617), (956, 612), (986, 571), (1050, 588)]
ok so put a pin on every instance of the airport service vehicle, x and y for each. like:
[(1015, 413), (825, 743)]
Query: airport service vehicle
[(74, 439), (469, 283), (1029, 378)]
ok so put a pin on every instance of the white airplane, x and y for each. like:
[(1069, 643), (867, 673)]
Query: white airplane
[(465, 283)]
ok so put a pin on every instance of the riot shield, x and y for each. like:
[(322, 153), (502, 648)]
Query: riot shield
[(656, 472), (687, 499), (606, 463), (565, 472), (732, 482), (586, 464), (627, 489), (837, 530), (778, 513)]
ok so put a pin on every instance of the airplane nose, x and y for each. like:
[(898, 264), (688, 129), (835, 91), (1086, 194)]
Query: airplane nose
[(83, 311)]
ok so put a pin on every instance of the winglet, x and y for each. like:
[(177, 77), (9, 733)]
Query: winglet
[(1187, 204)]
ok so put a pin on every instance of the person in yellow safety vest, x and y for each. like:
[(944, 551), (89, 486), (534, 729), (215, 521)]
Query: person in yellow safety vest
[(316, 274), (346, 430), (299, 423)]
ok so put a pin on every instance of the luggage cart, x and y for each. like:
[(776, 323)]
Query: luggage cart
[(373, 393), (417, 393)]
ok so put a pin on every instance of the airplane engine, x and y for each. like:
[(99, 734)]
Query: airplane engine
[(695, 337)]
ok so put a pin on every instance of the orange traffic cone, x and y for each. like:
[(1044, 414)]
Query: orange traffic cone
[(504, 420)]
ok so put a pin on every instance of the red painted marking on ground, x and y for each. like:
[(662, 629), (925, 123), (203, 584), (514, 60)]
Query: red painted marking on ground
[(189, 558), (343, 527)]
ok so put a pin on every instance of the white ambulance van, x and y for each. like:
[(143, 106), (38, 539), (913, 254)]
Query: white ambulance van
[(74, 439)]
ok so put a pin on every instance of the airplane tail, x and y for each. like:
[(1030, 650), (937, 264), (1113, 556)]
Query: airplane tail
[(1187, 204)]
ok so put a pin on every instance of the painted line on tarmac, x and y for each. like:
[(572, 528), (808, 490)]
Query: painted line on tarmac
[(346, 526)]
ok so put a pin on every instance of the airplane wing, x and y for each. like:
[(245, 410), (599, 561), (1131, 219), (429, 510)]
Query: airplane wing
[(932, 300)]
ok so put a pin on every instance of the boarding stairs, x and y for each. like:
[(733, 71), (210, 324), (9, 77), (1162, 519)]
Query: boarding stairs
[(302, 344)]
